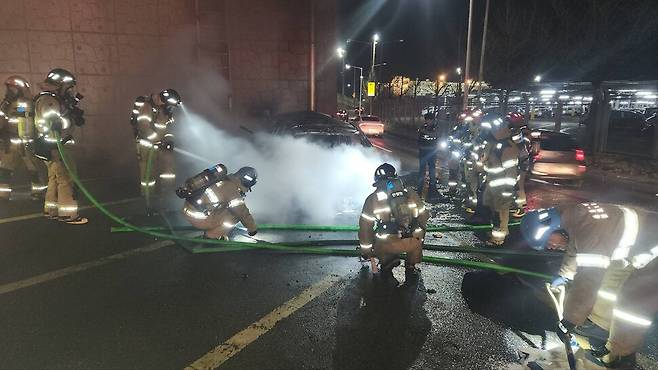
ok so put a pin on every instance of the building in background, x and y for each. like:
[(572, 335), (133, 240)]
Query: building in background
[(247, 57)]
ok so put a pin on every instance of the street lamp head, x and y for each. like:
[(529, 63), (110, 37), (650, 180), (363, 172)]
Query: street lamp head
[(459, 70), (340, 52), (375, 37), (537, 78), (442, 77), (347, 66)]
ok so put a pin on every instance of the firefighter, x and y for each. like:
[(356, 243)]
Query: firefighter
[(610, 267), (151, 119), (500, 164), (56, 115), (472, 166), (427, 151), (393, 221), (215, 201), (17, 132), (523, 143)]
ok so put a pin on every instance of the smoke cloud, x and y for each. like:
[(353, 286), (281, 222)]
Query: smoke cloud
[(299, 181)]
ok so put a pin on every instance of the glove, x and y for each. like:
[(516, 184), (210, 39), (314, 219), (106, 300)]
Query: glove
[(558, 282), (566, 326), (252, 233), (67, 138), (167, 144)]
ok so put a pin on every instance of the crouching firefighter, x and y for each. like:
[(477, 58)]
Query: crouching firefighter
[(17, 132), (393, 221), (151, 119), (214, 201), (610, 271), (56, 114)]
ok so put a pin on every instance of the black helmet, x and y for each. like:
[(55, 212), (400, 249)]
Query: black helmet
[(385, 172), (170, 97), (61, 78), (429, 116), (247, 176)]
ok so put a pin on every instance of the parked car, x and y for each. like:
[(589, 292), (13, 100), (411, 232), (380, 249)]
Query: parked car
[(556, 156), (626, 122), (370, 125), (319, 128), (622, 122)]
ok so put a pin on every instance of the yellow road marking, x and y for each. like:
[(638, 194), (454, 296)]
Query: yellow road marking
[(239, 341), (40, 215), (43, 278)]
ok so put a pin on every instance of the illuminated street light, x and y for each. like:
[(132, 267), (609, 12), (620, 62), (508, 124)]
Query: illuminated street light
[(459, 71), (347, 66), (341, 54), (442, 77), (375, 37), (537, 78)]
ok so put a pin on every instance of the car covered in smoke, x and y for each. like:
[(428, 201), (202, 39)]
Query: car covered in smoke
[(318, 128), (349, 178)]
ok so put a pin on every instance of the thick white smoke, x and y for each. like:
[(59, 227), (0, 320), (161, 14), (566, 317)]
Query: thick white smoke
[(299, 181)]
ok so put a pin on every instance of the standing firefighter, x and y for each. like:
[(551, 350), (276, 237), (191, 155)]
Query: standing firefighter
[(427, 149), (214, 201), (56, 115), (500, 163), (611, 270), (393, 221), (151, 117), (17, 132)]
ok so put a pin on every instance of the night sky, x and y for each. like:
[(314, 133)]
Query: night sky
[(553, 32)]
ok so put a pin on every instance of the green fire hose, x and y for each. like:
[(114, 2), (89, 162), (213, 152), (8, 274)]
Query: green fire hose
[(331, 228), (232, 245)]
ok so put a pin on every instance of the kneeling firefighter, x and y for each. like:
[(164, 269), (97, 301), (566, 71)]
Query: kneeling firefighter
[(393, 221), (17, 132), (214, 201), (610, 271), (56, 114)]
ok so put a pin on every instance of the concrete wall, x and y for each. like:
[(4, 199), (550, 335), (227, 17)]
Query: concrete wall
[(252, 53)]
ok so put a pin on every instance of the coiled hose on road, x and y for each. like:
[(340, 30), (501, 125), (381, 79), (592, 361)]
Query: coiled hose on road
[(235, 246)]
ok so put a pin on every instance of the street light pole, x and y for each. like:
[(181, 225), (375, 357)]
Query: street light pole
[(348, 66), (484, 46), (341, 54), (468, 53)]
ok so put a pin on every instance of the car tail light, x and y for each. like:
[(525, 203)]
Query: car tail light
[(580, 155), (537, 156)]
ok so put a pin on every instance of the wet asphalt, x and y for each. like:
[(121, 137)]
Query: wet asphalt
[(163, 308)]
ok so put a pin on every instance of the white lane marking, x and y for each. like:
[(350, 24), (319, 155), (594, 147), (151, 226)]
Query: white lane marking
[(43, 278), (39, 215), (382, 148), (231, 347)]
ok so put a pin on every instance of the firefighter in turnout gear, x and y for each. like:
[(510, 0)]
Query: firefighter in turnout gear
[(214, 201), (610, 271), (472, 166), (56, 115), (17, 132), (151, 119), (500, 163), (427, 150), (393, 221), (523, 143)]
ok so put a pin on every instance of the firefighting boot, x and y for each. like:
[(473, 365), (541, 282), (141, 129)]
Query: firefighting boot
[(611, 361), (411, 275)]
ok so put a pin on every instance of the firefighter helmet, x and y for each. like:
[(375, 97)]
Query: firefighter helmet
[(248, 176), (61, 78), (538, 225), (385, 171)]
